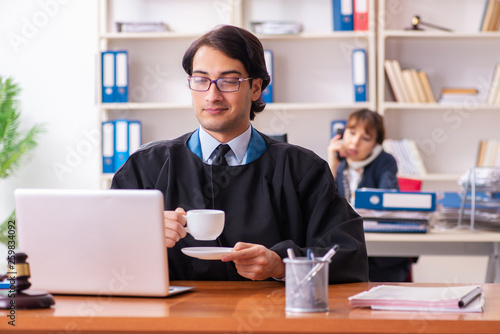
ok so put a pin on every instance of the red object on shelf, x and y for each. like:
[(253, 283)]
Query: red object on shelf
[(409, 184)]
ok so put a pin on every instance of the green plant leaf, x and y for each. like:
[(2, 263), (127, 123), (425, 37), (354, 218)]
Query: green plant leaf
[(14, 145)]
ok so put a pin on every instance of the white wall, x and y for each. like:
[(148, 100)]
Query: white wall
[(49, 48)]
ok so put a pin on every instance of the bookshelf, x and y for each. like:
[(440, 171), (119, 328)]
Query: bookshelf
[(447, 135), (313, 76), (312, 70)]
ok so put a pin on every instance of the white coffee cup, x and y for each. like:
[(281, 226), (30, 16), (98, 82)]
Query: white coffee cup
[(205, 224)]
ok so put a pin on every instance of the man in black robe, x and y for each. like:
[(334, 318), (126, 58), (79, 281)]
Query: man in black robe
[(275, 195)]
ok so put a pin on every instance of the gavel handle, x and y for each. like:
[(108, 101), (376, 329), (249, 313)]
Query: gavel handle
[(434, 26)]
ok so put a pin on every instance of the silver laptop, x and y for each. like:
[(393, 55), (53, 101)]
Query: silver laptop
[(94, 242)]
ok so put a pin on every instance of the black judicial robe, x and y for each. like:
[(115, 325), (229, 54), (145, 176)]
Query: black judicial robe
[(285, 198)]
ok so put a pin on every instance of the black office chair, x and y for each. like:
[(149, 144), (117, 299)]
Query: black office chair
[(279, 137)]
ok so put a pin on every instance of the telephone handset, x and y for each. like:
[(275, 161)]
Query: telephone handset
[(340, 131)]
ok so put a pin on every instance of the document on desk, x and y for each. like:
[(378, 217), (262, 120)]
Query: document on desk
[(384, 221), (428, 299)]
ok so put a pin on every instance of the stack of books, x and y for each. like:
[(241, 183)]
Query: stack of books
[(408, 85), (407, 156), (491, 16)]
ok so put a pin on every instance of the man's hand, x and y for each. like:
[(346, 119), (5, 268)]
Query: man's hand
[(256, 262), (174, 222)]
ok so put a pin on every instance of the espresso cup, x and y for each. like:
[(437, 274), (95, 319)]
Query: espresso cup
[(205, 224)]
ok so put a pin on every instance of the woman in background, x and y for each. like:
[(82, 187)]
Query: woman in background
[(357, 160)]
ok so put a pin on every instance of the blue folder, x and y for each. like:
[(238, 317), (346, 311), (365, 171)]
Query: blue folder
[(359, 74), (342, 15), (385, 199)]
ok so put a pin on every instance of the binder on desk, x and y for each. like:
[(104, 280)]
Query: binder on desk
[(267, 94), (400, 226), (359, 74), (342, 15), (108, 76), (108, 146), (360, 18), (392, 221), (383, 199)]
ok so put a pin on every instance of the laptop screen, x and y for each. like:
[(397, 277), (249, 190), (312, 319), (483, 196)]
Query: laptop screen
[(99, 242)]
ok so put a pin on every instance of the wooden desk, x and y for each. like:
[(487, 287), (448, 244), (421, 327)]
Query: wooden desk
[(244, 307), (437, 242)]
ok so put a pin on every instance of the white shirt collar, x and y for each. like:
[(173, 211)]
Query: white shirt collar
[(239, 147)]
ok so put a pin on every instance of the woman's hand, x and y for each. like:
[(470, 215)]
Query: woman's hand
[(335, 146)]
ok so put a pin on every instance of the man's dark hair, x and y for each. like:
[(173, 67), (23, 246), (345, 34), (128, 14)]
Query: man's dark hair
[(235, 43)]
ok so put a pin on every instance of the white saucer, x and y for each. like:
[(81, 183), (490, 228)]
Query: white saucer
[(206, 253)]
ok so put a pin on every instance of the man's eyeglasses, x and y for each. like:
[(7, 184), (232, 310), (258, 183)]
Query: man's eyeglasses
[(225, 85)]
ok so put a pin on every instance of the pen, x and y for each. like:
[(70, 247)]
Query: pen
[(316, 268), (469, 297)]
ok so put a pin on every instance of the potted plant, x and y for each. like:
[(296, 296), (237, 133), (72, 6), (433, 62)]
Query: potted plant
[(14, 144)]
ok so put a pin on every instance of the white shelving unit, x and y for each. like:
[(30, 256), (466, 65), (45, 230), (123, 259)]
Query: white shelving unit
[(312, 70), (447, 135)]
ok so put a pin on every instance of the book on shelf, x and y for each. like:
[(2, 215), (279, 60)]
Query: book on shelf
[(394, 81), (408, 85), (459, 96), (141, 27), (407, 155), (491, 16), (399, 78), (427, 87), (422, 97), (276, 27), (494, 91), (466, 298), (488, 153)]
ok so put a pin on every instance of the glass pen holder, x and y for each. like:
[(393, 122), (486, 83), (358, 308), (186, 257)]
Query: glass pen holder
[(306, 285)]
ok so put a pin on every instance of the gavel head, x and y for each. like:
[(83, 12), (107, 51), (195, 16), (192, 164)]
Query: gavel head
[(415, 20), (19, 272)]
